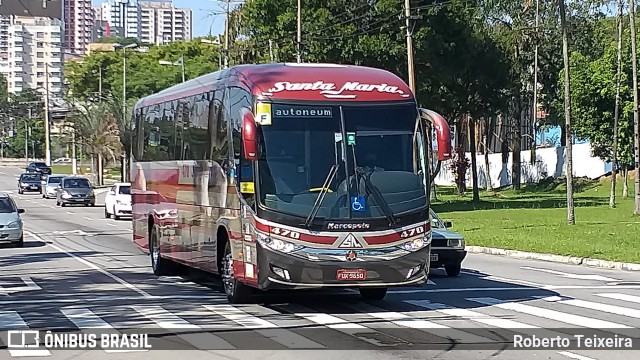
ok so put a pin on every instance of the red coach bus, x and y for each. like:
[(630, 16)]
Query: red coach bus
[(287, 176)]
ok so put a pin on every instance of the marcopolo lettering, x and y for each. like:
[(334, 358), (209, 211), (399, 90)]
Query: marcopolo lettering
[(301, 112)]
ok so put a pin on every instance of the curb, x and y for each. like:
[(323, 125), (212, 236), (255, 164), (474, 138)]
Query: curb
[(605, 264)]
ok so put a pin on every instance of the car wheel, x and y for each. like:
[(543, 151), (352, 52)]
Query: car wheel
[(106, 214), (63, 204), (114, 214), (20, 242), (236, 291), (20, 192), (453, 270), (373, 293)]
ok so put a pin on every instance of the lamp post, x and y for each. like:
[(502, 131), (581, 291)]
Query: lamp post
[(123, 173), (214, 42), (177, 63)]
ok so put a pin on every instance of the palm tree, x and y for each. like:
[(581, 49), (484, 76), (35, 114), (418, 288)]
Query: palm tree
[(97, 130)]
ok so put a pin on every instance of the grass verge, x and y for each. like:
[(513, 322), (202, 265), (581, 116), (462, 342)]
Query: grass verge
[(535, 219)]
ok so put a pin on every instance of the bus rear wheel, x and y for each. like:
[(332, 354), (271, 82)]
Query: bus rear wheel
[(373, 293), (237, 292)]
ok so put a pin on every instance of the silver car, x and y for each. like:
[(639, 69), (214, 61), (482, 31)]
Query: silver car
[(50, 186), (11, 230)]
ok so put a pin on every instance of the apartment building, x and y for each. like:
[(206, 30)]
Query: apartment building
[(123, 17), (162, 23), (32, 48), (78, 24)]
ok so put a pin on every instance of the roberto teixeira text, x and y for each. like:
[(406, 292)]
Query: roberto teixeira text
[(573, 341), (29, 339)]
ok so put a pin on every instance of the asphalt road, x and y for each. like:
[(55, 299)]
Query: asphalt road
[(79, 270)]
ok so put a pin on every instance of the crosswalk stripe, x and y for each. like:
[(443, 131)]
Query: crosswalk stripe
[(471, 315), (11, 320), (282, 336), (549, 314), (619, 296), (169, 321), (85, 319), (431, 327), (613, 309)]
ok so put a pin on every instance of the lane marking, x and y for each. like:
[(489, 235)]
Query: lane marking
[(569, 275), (612, 309), (30, 285), (503, 279), (92, 266), (69, 212), (619, 296), (574, 356), (12, 320), (110, 224), (88, 218), (169, 321), (84, 319), (516, 288), (282, 336), (549, 314)]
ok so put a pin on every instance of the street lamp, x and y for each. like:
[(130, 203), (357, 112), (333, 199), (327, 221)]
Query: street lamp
[(216, 41), (177, 63), (124, 96)]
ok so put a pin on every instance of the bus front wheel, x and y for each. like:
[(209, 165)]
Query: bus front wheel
[(373, 293), (236, 291), (160, 265)]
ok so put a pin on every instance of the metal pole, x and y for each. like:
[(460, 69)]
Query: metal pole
[(410, 70), (47, 134), (299, 55), (26, 137), (226, 36), (535, 90), (100, 82), (124, 107), (74, 161), (182, 64)]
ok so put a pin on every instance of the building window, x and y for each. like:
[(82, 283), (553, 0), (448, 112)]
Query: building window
[(40, 64), (40, 34), (40, 44), (40, 74), (40, 55), (40, 84)]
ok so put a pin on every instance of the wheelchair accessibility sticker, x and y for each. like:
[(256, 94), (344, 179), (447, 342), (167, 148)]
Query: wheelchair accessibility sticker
[(357, 203)]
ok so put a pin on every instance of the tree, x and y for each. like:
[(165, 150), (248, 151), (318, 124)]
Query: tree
[(567, 108), (636, 120)]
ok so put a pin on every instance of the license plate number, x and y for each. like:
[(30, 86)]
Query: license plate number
[(359, 274), (433, 257)]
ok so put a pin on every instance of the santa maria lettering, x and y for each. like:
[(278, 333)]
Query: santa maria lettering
[(331, 90)]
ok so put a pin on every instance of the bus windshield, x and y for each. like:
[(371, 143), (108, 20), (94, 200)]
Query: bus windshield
[(381, 157)]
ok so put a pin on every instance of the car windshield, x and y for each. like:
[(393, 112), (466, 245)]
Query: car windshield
[(40, 164), (54, 180), (302, 143), (125, 190), (77, 183), (7, 206), (436, 222), (30, 177)]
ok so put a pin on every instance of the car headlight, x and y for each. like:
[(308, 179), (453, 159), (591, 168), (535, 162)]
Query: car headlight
[(23, 184), (66, 195), (119, 202), (416, 244), (277, 244), (13, 225), (455, 243)]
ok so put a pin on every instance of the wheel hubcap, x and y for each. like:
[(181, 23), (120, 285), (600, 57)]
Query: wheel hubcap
[(155, 252), (227, 274)]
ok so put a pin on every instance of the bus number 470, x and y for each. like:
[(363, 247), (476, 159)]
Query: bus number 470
[(412, 232), (287, 233)]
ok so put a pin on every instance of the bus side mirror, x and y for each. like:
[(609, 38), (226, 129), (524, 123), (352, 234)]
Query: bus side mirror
[(249, 138), (442, 132)]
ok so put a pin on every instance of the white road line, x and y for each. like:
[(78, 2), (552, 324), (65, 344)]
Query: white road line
[(88, 218), (471, 315), (503, 279), (53, 207), (69, 212), (169, 321), (92, 266), (619, 296), (516, 288), (12, 320), (282, 336), (110, 224), (569, 275), (84, 318), (574, 356), (550, 314), (612, 309)]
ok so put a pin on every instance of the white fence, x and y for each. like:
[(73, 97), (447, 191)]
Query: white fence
[(549, 162)]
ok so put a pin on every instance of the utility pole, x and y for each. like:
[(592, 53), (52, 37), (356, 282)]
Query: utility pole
[(567, 114), (534, 118), (26, 137), (636, 119), (271, 49), (182, 64), (410, 69), (100, 82), (47, 130), (299, 37), (226, 36)]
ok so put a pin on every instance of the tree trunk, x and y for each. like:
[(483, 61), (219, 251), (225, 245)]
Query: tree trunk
[(487, 169), (434, 195), (517, 142), (625, 179), (474, 161), (616, 114), (636, 121), (100, 170), (93, 169), (567, 114)]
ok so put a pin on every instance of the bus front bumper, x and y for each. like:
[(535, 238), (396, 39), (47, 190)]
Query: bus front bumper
[(283, 271)]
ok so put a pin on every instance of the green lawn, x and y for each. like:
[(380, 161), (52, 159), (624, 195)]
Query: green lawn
[(534, 219)]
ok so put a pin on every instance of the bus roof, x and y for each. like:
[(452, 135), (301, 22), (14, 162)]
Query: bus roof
[(285, 81)]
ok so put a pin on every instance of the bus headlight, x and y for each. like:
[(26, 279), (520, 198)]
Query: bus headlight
[(416, 244), (277, 244)]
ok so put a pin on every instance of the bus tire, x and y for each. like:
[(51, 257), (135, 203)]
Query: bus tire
[(160, 265), (373, 293), (237, 292)]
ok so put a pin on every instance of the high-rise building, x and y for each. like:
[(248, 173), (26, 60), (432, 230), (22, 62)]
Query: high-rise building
[(123, 17), (162, 23), (78, 24), (33, 52)]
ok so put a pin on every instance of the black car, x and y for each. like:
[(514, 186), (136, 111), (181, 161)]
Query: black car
[(29, 182), (39, 167), (75, 190)]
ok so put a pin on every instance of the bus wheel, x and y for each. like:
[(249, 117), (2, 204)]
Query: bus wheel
[(373, 293), (236, 291), (159, 265)]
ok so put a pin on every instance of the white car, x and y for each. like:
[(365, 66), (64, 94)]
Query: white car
[(118, 201)]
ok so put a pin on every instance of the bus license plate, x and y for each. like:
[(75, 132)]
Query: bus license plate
[(434, 257), (359, 274)]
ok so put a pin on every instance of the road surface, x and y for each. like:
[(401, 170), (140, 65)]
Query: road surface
[(79, 270)]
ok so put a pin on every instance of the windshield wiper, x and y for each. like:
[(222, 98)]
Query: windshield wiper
[(374, 191), (325, 188)]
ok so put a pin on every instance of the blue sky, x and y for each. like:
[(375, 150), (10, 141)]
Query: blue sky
[(208, 15)]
